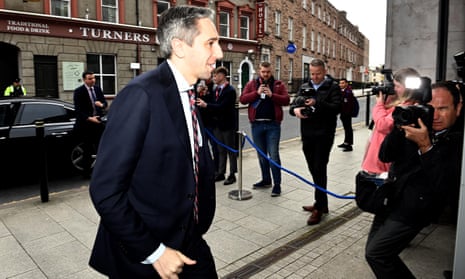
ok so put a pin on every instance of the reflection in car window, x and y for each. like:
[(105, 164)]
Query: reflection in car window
[(48, 112)]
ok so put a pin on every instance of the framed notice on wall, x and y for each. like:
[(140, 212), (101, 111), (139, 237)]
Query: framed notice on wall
[(72, 75)]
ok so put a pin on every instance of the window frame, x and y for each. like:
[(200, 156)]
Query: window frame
[(52, 7)]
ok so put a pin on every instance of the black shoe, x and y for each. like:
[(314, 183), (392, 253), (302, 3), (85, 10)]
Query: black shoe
[(276, 192), (262, 185), (347, 148), (231, 179), (219, 177), (342, 145)]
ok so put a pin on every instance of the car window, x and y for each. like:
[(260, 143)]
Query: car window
[(4, 114), (50, 113)]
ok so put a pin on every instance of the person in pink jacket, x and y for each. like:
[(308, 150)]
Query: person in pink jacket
[(383, 121)]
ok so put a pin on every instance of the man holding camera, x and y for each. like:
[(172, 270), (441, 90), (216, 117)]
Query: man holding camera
[(424, 173), (266, 97), (318, 114)]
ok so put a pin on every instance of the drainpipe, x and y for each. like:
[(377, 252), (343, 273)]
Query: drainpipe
[(443, 26)]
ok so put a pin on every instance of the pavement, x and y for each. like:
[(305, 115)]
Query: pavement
[(260, 237)]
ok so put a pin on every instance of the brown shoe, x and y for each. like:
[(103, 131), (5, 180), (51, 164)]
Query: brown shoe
[(310, 208), (315, 218)]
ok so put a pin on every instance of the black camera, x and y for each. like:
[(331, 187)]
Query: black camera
[(388, 87), (421, 93), (306, 92)]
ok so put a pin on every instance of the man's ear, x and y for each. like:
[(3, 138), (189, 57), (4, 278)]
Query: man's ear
[(178, 48), (459, 108)]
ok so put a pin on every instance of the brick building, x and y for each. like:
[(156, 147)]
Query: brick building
[(49, 43)]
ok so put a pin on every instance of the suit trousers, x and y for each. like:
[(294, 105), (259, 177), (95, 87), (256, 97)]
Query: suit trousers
[(316, 149), (346, 120), (226, 137), (386, 240)]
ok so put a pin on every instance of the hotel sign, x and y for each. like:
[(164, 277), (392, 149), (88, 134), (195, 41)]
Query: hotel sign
[(260, 19), (77, 29)]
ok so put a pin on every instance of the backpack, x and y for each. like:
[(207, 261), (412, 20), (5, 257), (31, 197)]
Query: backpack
[(355, 108)]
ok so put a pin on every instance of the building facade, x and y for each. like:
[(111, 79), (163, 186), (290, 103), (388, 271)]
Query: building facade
[(49, 43)]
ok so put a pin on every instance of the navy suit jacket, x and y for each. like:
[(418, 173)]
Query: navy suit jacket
[(83, 104), (223, 112), (143, 183)]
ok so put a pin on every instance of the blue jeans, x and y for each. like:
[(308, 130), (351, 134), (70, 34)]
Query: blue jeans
[(266, 136)]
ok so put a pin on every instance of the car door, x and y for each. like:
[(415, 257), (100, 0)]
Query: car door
[(58, 129)]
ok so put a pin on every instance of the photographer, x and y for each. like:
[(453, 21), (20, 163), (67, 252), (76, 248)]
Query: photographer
[(392, 94), (425, 171), (317, 105)]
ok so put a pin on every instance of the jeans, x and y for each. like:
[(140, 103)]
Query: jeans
[(266, 136)]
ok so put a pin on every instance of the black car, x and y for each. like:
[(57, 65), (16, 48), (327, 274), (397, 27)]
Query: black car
[(19, 146)]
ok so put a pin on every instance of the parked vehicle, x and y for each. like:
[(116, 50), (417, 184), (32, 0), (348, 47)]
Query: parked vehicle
[(18, 141)]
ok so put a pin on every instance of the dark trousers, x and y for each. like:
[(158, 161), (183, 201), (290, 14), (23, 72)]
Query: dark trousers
[(316, 150), (90, 134), (346, 120), (227, 138), (386, 240)]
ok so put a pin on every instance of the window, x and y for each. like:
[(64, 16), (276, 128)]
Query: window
[(104, 68), (290, 27), (291, 69), (245, 21), (60, 7), (334, 49), (319, 12), (313, 8), (224, 24), (304, 37), (323, 45), (277, 74), (277, 23), (49, 113), (312, 41), (110, 10), (304, 4), (318, 43), (161, 7), (265, 27)]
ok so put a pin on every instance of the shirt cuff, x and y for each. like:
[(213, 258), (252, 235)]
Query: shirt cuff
[(155, 255)]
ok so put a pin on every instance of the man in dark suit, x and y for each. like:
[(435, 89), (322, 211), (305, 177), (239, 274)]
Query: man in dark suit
[(90, 105), (223, 112), (154, 178)]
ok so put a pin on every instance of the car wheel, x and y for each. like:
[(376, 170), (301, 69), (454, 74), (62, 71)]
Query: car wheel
[(77, 157)]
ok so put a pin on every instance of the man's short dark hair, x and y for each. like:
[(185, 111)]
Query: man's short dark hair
[(86, 73), (344, 79), (265, 64), (451, 87), (317, 63), (221, 70)]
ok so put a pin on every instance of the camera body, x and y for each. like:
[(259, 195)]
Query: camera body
[(407, 115), (388, 87), (306, 92)]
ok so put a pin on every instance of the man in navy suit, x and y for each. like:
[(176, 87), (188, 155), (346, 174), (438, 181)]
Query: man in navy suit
[(90, 105), (153, 186), (221, 108)]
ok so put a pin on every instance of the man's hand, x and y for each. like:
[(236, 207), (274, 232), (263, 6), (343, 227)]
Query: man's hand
[(98, 104), (418, 135), (298, 113), (94, 119), (170, 264)]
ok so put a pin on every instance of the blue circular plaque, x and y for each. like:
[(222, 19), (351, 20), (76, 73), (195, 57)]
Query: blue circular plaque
[(291, 48)]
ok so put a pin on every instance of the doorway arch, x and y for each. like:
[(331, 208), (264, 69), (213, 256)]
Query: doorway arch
[(10, 65), (246, 73)]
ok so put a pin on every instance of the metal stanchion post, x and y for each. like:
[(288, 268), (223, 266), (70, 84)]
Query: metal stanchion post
[(42, 159), (240, 194)]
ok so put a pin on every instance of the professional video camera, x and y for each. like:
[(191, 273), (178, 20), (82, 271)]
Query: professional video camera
[(306, 92), (421, 93), (388, 88)]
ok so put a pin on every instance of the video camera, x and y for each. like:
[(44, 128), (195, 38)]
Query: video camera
[(421, 93), (388, 88), (306, 92)]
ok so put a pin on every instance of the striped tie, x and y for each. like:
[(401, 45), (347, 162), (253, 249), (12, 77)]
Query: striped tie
[(196, 152)]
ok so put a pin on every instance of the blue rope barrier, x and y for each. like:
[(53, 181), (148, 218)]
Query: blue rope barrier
[(295, 174), (274, 163), (210, 135)]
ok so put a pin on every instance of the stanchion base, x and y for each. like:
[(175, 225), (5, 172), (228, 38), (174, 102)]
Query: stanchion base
[(240, 195)]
